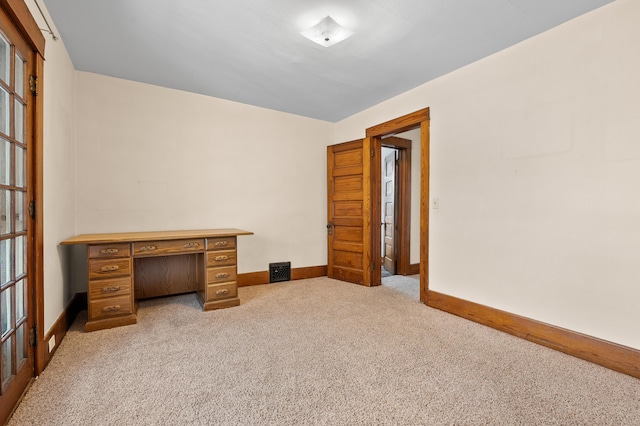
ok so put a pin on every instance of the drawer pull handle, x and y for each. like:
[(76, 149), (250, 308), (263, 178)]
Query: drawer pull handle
[(221, 292), (113, 308), (148, 248), (221, 243), (111, 289), (191, 245), (109, 268), (222, 275), (221, 258), (109, 251)]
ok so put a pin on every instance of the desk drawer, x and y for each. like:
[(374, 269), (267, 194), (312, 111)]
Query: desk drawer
[(110, 307), (221, 291), (109, 268), (109, 288), (155, 248), (221, 258), (221, 243), (220, 275), (110, 250)]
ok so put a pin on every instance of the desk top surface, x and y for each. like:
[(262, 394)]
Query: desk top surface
[(121, 237)]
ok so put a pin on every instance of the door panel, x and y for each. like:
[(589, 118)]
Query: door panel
[(348, 252), (348, 233), (389, 209), (16, 228)]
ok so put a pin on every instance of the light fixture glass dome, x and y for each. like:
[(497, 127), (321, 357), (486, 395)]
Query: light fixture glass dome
[(327, 32)]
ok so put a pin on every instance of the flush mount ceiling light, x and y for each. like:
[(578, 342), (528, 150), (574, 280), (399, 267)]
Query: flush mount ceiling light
[(327, 32)]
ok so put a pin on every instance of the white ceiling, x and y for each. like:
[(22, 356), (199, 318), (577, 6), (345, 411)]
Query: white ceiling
[(251, 51)]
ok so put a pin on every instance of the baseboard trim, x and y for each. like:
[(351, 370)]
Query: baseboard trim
[(253, 278), (414, 269), (607, 354), (262, 277), (62, 324)]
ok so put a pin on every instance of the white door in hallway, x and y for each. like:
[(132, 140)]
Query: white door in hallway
[(389, 211)]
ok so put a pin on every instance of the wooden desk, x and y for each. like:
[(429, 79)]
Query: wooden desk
[(125, 267)]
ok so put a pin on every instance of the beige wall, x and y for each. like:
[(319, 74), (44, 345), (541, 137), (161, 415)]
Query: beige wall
[(536, 162), (151, 158), (59, 172)]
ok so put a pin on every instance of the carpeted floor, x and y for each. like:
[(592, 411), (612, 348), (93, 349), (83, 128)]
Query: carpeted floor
[(409, 284), (320, 352)]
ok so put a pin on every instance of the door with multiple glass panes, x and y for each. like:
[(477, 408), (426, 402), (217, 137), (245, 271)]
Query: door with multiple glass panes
[(16, 229)]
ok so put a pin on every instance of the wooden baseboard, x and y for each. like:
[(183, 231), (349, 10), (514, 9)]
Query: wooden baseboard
[(414, 269), (262, 277), (607, 354), (253, 278), (62, 324)]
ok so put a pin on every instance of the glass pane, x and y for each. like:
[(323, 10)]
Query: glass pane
[(19, 166), (5, 310), (5, 209), (7, 360), (19, 76), (19, 121), (4, 111), (5, 162), (21, 300), (19, 211), (21, 260), (6, 274), (21, 345), (5, 59)]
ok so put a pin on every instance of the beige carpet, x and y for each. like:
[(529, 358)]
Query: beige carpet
[(409, 285), (321, 352)]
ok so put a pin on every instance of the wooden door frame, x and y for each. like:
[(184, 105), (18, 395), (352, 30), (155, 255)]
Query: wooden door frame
[(418, 119), (19, 13)]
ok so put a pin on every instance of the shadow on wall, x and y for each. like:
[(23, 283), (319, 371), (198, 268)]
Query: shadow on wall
[(74, 269)]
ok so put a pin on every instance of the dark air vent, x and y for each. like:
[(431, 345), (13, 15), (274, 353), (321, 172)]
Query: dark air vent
[(280, 271)]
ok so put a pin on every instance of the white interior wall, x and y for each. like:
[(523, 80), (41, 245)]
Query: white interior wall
[(151, 158), (536, 163), (535, 219), (58, 90)]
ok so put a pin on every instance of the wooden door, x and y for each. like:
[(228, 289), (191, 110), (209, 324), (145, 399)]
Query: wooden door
[(389, 209), (348, 228), (16, 225)]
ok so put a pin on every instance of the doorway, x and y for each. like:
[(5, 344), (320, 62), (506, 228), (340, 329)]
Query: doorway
[(400, 201), (399, 191), (386, 135)]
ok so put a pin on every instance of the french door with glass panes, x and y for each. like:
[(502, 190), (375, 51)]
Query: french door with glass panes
[(16, 225)]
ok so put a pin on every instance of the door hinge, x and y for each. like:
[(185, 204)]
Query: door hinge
[(373, 152), (33, 336), (33, 85), (32, 209)]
